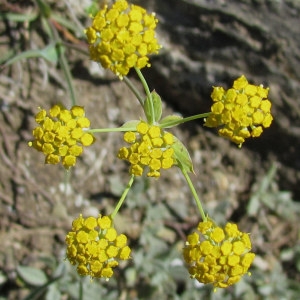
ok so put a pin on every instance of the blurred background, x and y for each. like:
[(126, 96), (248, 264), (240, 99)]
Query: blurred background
[(44, 60)]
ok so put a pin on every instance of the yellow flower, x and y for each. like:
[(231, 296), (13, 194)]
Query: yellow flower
[(122, 36), (219, 256), (95, 247), (60, 134), (150, 146), (241, 112)]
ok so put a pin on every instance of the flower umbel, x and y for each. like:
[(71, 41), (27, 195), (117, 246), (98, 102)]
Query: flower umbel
[(216, 255), (60, 134), (121, 37), (150, 146), (95, 247), (241, 111)]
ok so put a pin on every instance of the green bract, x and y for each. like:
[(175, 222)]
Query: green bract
[(153, 107)]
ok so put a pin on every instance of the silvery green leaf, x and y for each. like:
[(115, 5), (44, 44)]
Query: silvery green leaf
[(32, 276)]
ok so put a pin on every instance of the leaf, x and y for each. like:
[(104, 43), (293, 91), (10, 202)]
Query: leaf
[(131, 125), (153, 108), (49, 53), (53, 293), (182, 156), (45, 9), (32, 276), (92, 9), (170, 121), (68, 24), (28, 17), (39, 291), (116, 185), (157, 104), (91, 290)]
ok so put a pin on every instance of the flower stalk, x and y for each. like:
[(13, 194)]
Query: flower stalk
[(148, 94), (178, 121), (117, 129), (134, 90), (195, 195), (125, 192)]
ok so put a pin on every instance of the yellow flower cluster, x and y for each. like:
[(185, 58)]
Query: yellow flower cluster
[(151, 147), (60, 135), (218, 256), (242, 111), (121, 37), (95, 247)]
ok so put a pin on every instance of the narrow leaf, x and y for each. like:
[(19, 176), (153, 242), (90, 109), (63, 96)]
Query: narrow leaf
[(170, 121), (153, 107), (131, 125), (49, 53), (92, 9), (182, 156), (28, 17), (157, 104), (44, 8), (148, 109)]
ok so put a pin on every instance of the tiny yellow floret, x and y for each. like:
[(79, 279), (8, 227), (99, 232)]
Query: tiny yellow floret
[(95, 247), (122, 37), (240, 112), (150, 147), (60, 135), (218, 256)]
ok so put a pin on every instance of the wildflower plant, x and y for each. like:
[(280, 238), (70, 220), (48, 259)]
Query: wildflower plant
[(121, 38)]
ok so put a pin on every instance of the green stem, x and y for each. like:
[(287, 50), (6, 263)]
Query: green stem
[(66, 69), (123, 196), (80, 289), (60, 49), (171, 123), (134, 90), (67, 179), (118, 129), (147, 90), (192, 188)]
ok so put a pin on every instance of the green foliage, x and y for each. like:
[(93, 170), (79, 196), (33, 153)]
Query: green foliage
[(93, 8), (182, 157), (32, 276), (268, 195), (170, 121), (49, 53), (64, 282), (156, 270), (153, 107), (130, 125), (52, 52)]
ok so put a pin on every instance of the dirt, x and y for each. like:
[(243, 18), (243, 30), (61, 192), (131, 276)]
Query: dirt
[(214, 42)]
